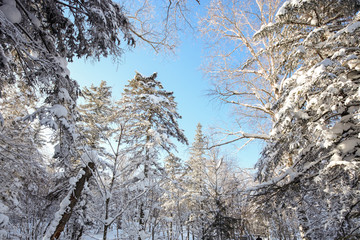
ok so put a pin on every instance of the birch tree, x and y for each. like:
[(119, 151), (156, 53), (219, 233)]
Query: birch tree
[(246, 73)]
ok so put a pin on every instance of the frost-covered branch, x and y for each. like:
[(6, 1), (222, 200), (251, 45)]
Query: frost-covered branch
[(245, 70), (240, 136), (63, 215)]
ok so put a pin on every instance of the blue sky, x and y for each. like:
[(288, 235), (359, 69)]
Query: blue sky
[(179, 73)]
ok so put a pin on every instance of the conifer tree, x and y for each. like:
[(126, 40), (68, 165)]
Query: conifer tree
[(222, 186), (311, 162), (98, 114), (23, 172), (152, 120), (173, 208), (195, 184), (105, 131)]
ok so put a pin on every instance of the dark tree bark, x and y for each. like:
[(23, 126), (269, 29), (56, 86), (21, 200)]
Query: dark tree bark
[(74, 197)]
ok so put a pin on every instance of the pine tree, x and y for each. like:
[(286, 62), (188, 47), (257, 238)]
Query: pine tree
[(312, 159), (173, 209), (221, 186), (98, 115), (152, 119), (98, 120), (195, 184), (23, 172), (106, 130)]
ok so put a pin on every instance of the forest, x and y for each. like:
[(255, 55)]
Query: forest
[(81, 163)]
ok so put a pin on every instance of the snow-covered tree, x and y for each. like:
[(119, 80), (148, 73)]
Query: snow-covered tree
[(312, 159), (244, 71), (221, 187), (23, 176), (152, 122), (195, 185), (98, 115), (173, 209), (37, 40), (103, 130)]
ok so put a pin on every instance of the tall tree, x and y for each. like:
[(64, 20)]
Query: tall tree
[(245, 72), (23, 170), (152, 116), (196, 186), (173, 209), (312, 160), (104, 131)]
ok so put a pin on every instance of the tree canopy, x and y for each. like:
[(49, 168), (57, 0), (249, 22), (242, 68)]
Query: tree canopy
[(78, 162)]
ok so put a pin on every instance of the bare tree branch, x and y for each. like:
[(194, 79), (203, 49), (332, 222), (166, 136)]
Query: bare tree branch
[(243, 135)]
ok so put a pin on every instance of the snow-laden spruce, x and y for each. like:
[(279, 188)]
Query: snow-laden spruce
[(151, 116), (310, 167)]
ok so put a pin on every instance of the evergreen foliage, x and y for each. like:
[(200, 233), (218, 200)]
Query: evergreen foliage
[(71, 170), (311, 161), (195, 184), (152, 120)]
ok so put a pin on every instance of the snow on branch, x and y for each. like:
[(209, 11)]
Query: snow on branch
[(286, 178), (68, 203), (242, 135)]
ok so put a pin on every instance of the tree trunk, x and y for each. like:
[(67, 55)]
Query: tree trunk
[(141, 219), (171, 228), (303, 228), (75, 194), (142, 214), (80, 233), (188, 233), (106, 226)]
